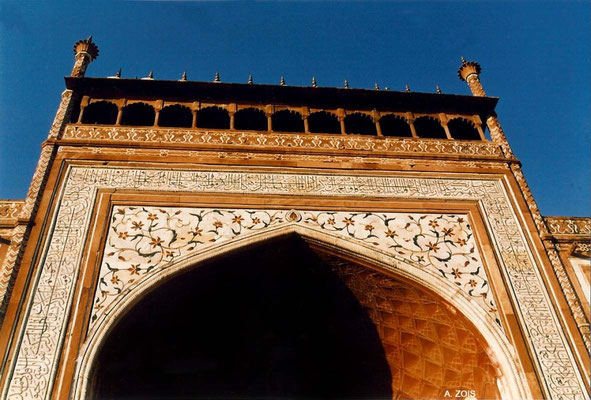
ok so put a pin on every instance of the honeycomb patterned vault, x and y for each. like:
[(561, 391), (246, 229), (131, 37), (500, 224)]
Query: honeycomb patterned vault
[(430, 349)]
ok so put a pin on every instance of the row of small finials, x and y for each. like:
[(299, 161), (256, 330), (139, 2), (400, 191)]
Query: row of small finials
[(217, 79)]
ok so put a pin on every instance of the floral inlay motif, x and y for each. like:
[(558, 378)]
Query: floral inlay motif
[(442, 243), (145, 240), (44, 328)]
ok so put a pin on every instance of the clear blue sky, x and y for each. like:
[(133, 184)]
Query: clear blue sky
[(535, 57)]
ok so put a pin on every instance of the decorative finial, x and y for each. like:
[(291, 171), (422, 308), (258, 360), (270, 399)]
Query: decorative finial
[(346, 84), (376, 86), (116, 76), (88, 47), (386, 88), (468, 68), (282, 81), (149, 77), (250, 81), (314, 84), (184, 76), (216, 79), (438, 89), (406, 89)]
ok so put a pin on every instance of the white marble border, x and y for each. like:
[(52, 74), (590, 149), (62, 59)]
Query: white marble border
[(40, 341)]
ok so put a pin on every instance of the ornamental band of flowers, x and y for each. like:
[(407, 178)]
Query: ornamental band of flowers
[(40, 340), (144, 240)]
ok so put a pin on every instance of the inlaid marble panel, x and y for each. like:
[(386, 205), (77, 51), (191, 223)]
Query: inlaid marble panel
[(145, 240), (41, 338)]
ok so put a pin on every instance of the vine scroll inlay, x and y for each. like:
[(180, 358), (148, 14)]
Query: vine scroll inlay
[(43, 331)]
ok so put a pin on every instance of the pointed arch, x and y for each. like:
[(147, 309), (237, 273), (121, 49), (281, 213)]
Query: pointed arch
[(512, 382)]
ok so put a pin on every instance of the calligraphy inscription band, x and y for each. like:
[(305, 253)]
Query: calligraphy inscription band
[(43, 331)]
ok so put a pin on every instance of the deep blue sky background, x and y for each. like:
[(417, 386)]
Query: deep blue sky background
[(535, 57)]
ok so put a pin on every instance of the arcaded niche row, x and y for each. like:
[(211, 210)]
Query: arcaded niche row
[(279, 119)]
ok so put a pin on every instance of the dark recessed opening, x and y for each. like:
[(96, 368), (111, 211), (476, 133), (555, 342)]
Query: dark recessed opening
[(75, 112), (462, 130), (360, 124), (175, 116), (138, 114), (392, 125), (250, 119), (213, 118), (101, 112), (272, 321), (323, 122), (428, 127), (287, 121)]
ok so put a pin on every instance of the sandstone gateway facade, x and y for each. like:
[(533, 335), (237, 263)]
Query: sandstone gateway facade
[(239, 240)]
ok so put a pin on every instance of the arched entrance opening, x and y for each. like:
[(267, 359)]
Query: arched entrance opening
[(269, 321), (284, 319)]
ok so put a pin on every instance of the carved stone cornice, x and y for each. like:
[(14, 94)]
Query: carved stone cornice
[(582, 249), (9, 211), (270, 140), (569, 226), (570, 235), (329, 159)]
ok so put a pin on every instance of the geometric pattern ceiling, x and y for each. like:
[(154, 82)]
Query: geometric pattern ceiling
[(430, 348)]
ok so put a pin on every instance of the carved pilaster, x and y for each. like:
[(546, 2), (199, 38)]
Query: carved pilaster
[(80, 65), (498, 136), (565, 284), (469, 71), (475, 86), (7, 269), (62, 116), (11, 264), (37, 183)]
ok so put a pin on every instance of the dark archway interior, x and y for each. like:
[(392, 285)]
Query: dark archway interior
[(272, 321), (213, 118), (392, 125), (462, 130), (138, 114), (429, 128), (287, 121), (323, 122), (176, 116), (250, 119), (101, 112), (360, 124)]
